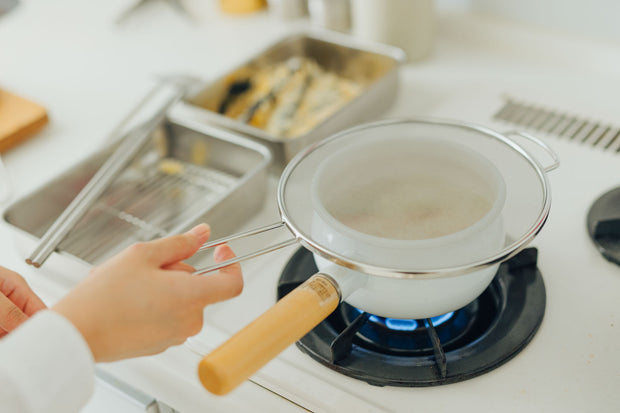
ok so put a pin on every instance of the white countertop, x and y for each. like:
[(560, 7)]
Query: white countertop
[(69, 56)]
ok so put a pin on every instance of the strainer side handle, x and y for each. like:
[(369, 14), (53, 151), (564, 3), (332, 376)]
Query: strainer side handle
[(555, 160)]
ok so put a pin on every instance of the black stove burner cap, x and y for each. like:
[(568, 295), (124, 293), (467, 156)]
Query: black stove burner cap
[(604, 225)]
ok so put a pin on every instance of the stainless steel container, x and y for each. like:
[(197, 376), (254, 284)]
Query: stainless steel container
[(185, 174), (289, 9), (375, 66), (330, 14)]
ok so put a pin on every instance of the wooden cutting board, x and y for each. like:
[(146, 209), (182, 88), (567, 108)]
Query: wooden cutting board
[(19, 119)]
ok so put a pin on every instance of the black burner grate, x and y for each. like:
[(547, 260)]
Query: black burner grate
[(475, 339)]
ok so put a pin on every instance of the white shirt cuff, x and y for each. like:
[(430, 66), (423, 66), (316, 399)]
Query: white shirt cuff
[(47, 364)]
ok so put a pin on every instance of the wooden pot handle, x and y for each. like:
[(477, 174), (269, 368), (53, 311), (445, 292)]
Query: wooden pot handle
[(263, 339)]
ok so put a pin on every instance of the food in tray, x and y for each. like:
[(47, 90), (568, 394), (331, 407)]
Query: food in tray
[(287, 99), (199, 153), (170, 166)]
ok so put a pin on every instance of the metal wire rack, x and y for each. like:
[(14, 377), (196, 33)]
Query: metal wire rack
[(142, 205)]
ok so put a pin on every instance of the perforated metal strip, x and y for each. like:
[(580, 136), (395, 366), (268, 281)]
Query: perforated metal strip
[(563, 125)]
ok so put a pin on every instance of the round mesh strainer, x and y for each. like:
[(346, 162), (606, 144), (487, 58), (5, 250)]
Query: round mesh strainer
[(431, 186), (415, 198)]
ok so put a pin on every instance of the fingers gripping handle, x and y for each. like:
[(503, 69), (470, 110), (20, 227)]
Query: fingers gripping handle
[(262, 340)]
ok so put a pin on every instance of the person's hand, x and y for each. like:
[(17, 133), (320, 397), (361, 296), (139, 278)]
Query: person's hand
[(17, 301), (145, 299)]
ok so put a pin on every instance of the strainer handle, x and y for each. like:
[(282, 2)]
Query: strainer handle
[(555, 160), (253, 254)]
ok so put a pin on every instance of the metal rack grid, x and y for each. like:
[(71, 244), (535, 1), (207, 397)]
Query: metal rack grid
[(144, 204)]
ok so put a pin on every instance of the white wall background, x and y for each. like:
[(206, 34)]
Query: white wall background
[(595, 18)]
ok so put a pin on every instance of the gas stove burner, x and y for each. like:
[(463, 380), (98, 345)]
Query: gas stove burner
[(604, 225), (416, 353)]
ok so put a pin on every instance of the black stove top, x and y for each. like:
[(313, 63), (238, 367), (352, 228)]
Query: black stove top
[(454, 347)]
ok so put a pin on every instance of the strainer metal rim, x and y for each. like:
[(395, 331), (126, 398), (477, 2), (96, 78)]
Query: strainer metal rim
[(390, 272)]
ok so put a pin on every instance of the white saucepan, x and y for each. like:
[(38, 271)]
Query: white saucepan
[(406, 219)]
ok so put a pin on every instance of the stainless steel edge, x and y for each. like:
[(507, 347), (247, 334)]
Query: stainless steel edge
[(137, 397)]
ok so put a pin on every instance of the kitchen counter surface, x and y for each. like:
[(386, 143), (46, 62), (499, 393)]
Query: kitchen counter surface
[(71, 57)]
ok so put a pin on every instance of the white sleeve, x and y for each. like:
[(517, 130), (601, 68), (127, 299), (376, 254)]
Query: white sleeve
[(45, 366)]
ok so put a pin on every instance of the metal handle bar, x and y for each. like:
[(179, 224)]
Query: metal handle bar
[(253, 254), (240, 235)]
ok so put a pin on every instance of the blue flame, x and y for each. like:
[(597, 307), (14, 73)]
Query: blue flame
[(440, 319), (396, 323), (408, 324)]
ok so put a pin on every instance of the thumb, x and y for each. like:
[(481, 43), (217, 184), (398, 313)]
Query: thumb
[(10, 315), (176, 248)]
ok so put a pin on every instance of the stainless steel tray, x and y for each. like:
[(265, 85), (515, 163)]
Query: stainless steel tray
[(185, 174), (375, 66)]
